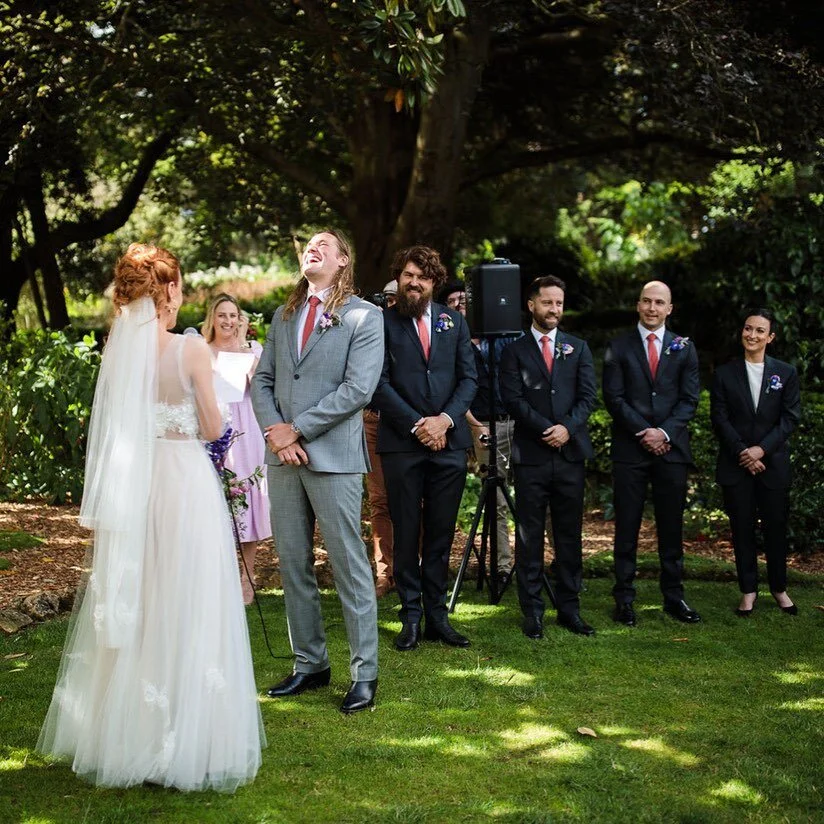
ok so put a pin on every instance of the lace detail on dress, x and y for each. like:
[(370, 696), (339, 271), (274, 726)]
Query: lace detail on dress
[(176, 417)]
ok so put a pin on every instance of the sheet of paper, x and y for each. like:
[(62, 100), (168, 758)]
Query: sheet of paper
[(231, 371)]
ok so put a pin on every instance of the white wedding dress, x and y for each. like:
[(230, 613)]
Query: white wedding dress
[(176, 705)]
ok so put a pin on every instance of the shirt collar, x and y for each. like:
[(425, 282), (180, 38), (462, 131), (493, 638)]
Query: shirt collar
[(659, 332), (538, 334), (320, 295)]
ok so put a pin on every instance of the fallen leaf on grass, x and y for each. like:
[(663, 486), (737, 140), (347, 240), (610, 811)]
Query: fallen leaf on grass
[(587, 731), (680, 639), (819, 606), (15, 655)]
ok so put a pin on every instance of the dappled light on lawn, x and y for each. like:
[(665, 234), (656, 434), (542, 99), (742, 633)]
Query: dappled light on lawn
[(798, 674), (736, 790), (655, 746), (494, 676)]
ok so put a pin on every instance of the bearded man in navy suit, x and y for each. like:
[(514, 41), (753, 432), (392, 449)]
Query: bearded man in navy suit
[(427, 384), (651, 391), (547, 382)]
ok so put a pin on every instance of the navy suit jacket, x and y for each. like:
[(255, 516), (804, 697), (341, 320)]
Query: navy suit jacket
[(739, 425), (636, 401), (410, 387), (537, 399)]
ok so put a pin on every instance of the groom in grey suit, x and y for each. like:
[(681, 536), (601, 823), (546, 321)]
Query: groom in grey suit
[(319, 368)]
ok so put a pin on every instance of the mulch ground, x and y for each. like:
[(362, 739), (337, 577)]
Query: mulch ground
[(57, 563)]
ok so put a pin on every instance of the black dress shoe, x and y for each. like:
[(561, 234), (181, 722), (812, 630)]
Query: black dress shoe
[(408, 637), (533, 626), (299, 682), (576, 624), (361, 696), (681, 611), (442, 631), (745, 613), (624, 614)]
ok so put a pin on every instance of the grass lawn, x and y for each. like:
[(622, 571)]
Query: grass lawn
[(720, 722)]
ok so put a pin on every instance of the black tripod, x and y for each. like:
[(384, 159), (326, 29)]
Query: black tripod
[(487, 510)]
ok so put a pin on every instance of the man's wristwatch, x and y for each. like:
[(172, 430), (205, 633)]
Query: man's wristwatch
[(295, 429)]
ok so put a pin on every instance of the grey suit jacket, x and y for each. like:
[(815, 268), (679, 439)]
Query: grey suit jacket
[(323, 391)]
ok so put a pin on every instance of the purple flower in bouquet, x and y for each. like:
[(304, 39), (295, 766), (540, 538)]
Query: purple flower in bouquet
[(217, 450)]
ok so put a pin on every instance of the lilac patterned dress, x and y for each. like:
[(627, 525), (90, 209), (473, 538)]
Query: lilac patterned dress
[(246, 454)]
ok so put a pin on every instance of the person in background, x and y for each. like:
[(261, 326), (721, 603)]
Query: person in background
[(225, 331), (755, 405), (380, 519), (427, 384), (651, 391), (548, 385)]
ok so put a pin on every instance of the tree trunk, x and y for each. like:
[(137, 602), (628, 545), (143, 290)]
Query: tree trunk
[(31, 276), (46, 258), (428, 214), (12, 277)]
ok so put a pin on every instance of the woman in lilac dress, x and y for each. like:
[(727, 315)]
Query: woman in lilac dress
[(225, 331)]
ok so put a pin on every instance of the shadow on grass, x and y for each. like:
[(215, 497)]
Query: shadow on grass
[(715, 722)]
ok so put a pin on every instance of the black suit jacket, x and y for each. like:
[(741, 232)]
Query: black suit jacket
[(636, 401), (411, 388), (738, 425), (537, 400)]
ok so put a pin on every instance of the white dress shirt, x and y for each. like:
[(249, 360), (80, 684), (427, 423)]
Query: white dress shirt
[(755, 375), (538, 334), (659, 345)]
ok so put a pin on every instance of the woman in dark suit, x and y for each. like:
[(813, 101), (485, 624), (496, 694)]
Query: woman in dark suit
[(755, 402)]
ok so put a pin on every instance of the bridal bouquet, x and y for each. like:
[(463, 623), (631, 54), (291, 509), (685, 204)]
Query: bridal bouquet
[(234, 488)]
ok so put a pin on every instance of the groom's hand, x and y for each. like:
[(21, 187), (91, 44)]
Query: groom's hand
[(279, 436), (431, 431), (293, 455)]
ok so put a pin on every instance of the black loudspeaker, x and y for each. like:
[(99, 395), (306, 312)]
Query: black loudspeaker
[(493, 298)]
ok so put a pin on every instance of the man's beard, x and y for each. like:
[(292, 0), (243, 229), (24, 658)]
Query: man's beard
[(411, 307)]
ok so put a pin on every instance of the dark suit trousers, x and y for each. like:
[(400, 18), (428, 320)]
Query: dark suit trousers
[(744, 502), (424, 491), (669, 494), (558, 484)]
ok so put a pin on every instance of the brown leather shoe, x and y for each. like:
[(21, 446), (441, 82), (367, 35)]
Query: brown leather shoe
[(383, 586)]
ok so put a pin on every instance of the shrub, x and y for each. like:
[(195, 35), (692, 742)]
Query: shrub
[(48, 387)]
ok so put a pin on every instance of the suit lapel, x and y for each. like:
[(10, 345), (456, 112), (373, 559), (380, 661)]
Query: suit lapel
[(290, 329), (637, 347), (663, 358), (408, 326), (743, 384), (534, 350), (434, 337)]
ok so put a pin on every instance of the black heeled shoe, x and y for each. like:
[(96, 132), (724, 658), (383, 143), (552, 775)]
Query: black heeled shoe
[(745, 613), (792, 609)]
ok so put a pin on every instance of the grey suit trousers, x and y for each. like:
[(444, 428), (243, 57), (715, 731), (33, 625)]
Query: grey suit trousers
[(297, 496)]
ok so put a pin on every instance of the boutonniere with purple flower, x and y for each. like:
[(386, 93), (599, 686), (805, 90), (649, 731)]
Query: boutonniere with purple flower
[(562, 350), (775, 384), (444, 323), (678, 343), (328, 320)]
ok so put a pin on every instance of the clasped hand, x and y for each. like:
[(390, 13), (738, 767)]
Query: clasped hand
[(653, 440), (282, 440), (556, 435), (750, 459), (431, 431)]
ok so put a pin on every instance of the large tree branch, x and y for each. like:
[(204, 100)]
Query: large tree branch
[(111, 219), (266, 154), (502, 162)]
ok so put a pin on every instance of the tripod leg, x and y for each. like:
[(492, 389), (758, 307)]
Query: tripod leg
[(470, 546)]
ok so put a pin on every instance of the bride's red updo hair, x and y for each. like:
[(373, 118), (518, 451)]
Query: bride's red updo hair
[(144, 271)]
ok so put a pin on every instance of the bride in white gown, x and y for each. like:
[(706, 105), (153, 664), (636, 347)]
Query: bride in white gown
[(156, 682)]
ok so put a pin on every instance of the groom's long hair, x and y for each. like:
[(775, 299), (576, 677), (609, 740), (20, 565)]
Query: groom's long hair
[(342, 288)]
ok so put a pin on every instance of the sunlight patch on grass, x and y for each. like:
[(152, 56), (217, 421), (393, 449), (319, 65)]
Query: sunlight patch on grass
[(613, 731), (568, 752), (812, 704), (531, 735), (798, 674), (736, 790), (14, 759), (495, 676), (655, 746)]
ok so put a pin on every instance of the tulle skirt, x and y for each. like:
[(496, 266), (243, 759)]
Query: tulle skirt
[(178, 705)]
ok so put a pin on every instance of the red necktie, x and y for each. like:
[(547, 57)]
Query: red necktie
[(309, 325), (423, 333), (546, 351), (652, 354)]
